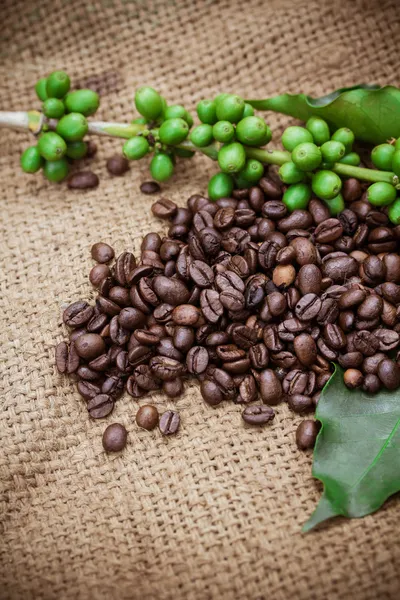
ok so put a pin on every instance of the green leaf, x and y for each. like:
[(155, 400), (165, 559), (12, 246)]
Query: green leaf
[(357, 454), (371, 112)]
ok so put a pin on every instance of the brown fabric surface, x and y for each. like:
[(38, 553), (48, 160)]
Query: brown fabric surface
[(216, 511)]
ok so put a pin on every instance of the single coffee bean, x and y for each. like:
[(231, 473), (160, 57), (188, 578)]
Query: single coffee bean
[(169, 422), (308, 307), (353, 378), (67, 359), (238, 366), (258, 414), (83, 180), (150, 187), (306, 252), (98, 274), (306, 434), (300, 404), (165, 368), (197, 360), (328, 231), (147, 417), (370, 308), (371, 384), (351, 360), (124, 265), (201, 274), (113, 386), (145, 378), (271, 189), (305, 349), (117, 165), (318, 211), (173, 388), (211, 392), (133, 389), (340, 269), (334, 336), (164, 208), (365, 342), (244, 336), (388, 340), (274, 210), (114, 438), (270, 387), (247, 389), (351, 189), (171, 291), (77, 314), (100, 406), (258, 355), (283, 275), (232, 299), (309, 280), (389, 374), (88, 374), (89, 346), (151, 241), (298, 219), (186, 314), (108, 307), (88, 390)]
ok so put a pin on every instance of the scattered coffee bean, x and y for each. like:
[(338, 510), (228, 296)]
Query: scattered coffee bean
[(83, 180), (100, 406), (102, 253), (114, 438), (117, 165), (306, 434), (150, 187), (169, 422), (258, 414), (147, 417)]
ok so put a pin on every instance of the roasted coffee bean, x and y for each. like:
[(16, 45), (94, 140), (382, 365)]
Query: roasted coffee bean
[(300, 404), (229, 280), (169, 250), (107, 307), (270, 387), (349, 221), (274, 210), (244, 336), (306, 434), (100, 406), (83, 180), (370, 308), (327, 352), (201, 274), (351, 298), (150, 187), (183, 338), (153, 260), (365, 342), (211, 392), (164, 208), (334, 336), (258, 414), (230, 352), (133, 389), (329, 311), (391, 292), (392, 266), (145, 379), (308, 307), (372, 270), (353, 378), (113, 386), (224, 218), (322, 380), (174, 388), (286, 256), (388, 340), (285, 359), (305, 349), (197, 360), (309, 280), (283, 276), (88, 374), (114, 438), (351, 189), (381, 239), (201, 220), (350, 360), (169, 422), (211, 305), (89, 346), (166, 368), (117, 165), (371, 363), (298, 219), (98, 274), (139, 355), (239, 265), (88, 390), (247, 389), (225, 383), (151, 241), (147, 417), (119, 295), (306, 252), (272, 339), (270, 188), (137, 273), (318, 211), (77, 314), (186, 314), (131, 318), (328, 231), (102, 253), (146, 338), (101, 363), (340, 269), (371, 384), (268, 252), (295, 382), (170, 291), (166, 348), (232, 299), (289, 328), (119, 335), (258, 355)]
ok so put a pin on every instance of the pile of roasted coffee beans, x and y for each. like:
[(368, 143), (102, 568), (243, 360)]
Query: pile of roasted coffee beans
[(255, 302)]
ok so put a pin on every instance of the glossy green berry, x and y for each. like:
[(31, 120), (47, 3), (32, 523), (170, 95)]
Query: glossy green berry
[(139, 121), (58, 84), (382, 156), (53, 108), (207, 112), (253, 131), (345, 136), (220, 97), (241, 182), (248, 110), (289, 173), (230, 108), (161, 167), (394, 212), (40, 89), (85, 102), (231, 158), (189, 119), (297, 196), (397, 144), (72, 127), (253, 170), (326, 184), (51, 146), (76, 150), (319, 130), (173, 131), (223, 131), (202, 135), (396, 163), (307, 156), (135, 148), (352, 158), (56, 170), (332, 151), (335, 205), (220, 186), (381, 194), (293, 136), (183, 153), (149, 103), (175, 111), (31, 160)]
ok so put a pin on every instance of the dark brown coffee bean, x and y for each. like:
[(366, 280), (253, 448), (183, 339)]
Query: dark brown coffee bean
[(201, 274), (334, 336), (308, 307), (328, 231), (151, 241), (88, 390), (329, 311), (107, 307), (268, 252), (371, 363), (258, 355), (133, 389), (318, 211), (306, 252), (270, 188), (392, 266), (211, 392), (346, 320), (232, 299), (285, 359), (145, 378), (117, 165), (150, 187), (169, 422), (100, 406), (174, 388), (77, 314), (197, 360), (388, 340), (351, 298), (131, 318), (113, 386), (230, 352), (271, 338), (89, 346), (229, 280), (381, 239), (211, 305), (371, 307), (340, 269), (123, 268), (101, 363), (289, 328), (139, 355), (164, 208), (306, 434), (327, 352), (309, 280), (88, 374), (186, 314), (98, 274), (166, 368), (351, 189), (183, 338), (351, 360), (240, 266), (137, 273), (300, 404), (171, 291), (147, 417), (224, 218), (353, 378), (372, 270), (166, 348), (119, 295), (247, 389), (295, 382), (305, 349), (114, 438), (371, 384), (258, 414), (152, 259), (63, 359), (391, 292), (365, 342), (244, 337), (274, 210), (146, 338), (241, 365), (270, 387), (82, 180), (298, 219)]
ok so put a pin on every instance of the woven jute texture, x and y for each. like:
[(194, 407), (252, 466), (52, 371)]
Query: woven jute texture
[(216, 511)]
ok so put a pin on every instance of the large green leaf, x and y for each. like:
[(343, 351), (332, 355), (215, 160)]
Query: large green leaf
[(357, 454), (373, 113)]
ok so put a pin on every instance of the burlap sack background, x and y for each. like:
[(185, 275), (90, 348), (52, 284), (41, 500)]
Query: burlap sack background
[(216, 511)]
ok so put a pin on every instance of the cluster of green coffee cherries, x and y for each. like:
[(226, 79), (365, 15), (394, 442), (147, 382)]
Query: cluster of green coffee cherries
[(54, 148), (227, 120)]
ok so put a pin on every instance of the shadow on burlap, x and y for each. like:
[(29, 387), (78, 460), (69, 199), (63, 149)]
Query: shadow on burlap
[(216, 511)]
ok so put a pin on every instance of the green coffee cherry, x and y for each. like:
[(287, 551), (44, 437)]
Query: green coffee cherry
[(397, 144), (394, 212), (149, 103), (189, 119), (336, 205), (345, 136), (241, 182), (173, 131), (248, 110), (289, 173), (183, 153), (319, 130), (253, 131), (396, 163), (207, 112), (223, 131), (332, 151), (76, 150), (220, 186), (381, 194), (253, 171), (307, 156), (31, 160), (297, 196), (135, 148), (58, 84), (53, 108), (139, 121), (56, 170), (220, 97), (232, 158), (202, 135), (175, 111), (382, 156), (230, 108), (326, 185), (51, 146), (293, 136), (85, 102), (161, 167), (72, 127), (352, 158), (40, 89)]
